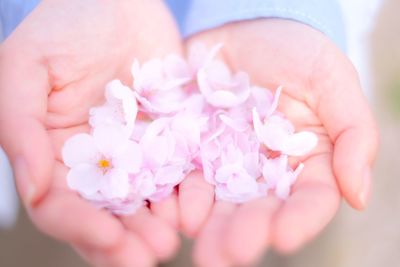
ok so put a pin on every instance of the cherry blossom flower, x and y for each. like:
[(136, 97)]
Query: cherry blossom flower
[(100, 164), (158, 84), (230, 161), (279, 176), (219, 87), (120, 108), (168, 146), (278, 134)]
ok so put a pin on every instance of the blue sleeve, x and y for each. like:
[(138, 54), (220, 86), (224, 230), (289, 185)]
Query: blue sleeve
[(194, 16), (12, 12)]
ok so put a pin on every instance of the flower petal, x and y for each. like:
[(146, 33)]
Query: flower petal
[(130, 159), (79, 149), (85, 178), (300, 143), (115, 184), (171, 174), (243, 184), (110, 140)]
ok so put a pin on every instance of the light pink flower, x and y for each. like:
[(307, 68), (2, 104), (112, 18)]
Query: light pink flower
[(158, 84), (220, 88), (279, 176), (120, 108), (168, 146), (277, 133), (230, 161), (100, 164)]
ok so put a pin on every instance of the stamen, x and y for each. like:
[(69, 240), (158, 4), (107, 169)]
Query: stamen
[(104, 165)]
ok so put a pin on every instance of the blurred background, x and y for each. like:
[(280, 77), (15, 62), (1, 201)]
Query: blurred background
[(369, 239)]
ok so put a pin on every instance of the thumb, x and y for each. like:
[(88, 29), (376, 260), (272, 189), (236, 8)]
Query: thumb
[(23, 96), (345, 113)]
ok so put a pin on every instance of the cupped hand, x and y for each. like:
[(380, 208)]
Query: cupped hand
[(322, 94), (53, 68)]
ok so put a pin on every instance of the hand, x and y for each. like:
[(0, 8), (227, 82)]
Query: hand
[(53, 68), (321, 93)]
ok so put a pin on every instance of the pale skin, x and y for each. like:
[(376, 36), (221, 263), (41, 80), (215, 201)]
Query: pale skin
[(60, 63)]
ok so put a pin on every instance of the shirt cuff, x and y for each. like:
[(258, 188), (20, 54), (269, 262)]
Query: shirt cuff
[(325, 16)]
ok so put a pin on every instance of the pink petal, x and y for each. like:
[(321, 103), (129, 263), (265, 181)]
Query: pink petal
[(130, 159), (237, 124), (243, 185), (282, 189), (115, 184), (223, 193), (169, 175), (251, 163), (226, 172), (78, 149), (146, 185), (161, 193), (300, 143), (176, 67), (259, 128), (272, 170), (85, 178), (260, 98), (234, 95), (110, 140), (156, 152), (275, 101)]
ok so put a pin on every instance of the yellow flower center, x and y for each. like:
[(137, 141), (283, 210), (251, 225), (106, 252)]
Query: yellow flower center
[(104, 165)]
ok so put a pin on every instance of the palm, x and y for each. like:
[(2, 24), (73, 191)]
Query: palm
[(73, 49), (310, 68)]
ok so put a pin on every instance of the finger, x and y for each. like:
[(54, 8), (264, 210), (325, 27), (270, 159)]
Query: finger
[(23, 95), (66, 216), (167, 209), (196, 198), (209, 249), (347, 117), (248, 233), (158, 234), (313, 203), (132, 251)]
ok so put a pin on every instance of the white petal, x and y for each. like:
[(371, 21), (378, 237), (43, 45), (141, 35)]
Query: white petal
[(130, 159), (161, 193), (300, 143), (223, 99), (85, 178), (156, 152), (102, 115), (169, 175), (176, 67), (282, 189), (274, 104), (116, 184), (244, 184), (237, 124), (274, 170), (147, 185), (78, 149), (259, 128), (110, 140), (251, 163)]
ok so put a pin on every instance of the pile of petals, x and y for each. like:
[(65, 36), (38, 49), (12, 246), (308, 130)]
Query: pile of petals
[(195, 114)]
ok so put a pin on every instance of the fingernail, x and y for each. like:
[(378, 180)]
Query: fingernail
[(365, 189), (24, 181)]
